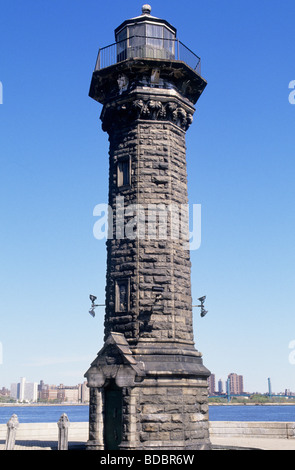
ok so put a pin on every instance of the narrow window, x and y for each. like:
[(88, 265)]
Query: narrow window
[(122, 295), (123, 172)]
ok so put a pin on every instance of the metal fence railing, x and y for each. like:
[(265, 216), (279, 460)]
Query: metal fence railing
[(149, 48)]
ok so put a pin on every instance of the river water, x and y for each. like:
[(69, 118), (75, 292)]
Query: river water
[(252, 413), (80, 413)]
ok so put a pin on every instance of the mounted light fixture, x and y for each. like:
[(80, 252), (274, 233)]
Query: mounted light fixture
[(202, 300), (94, 305)]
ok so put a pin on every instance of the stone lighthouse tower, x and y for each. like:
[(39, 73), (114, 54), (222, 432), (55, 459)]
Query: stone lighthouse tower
[(148, 384)]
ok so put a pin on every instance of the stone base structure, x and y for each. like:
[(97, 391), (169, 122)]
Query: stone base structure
[(156, 400)]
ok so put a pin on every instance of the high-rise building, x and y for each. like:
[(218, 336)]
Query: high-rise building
[(236, 384), (220, 387), (211, 384), (31, 392), (22, 386), (83, 393), (24, 391), (41, 386), (14, 390)]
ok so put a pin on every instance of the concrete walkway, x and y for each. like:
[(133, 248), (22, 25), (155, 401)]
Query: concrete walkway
[(275, 436), (31, 445), (44, 436), (254, 443), (42, 445), (221, 443)]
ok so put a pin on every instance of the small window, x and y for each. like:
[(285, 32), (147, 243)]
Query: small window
[(123, 172), (121, 45), (154, 35), (122, 295), (136, 35)]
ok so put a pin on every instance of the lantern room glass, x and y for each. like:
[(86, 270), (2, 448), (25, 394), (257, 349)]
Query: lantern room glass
[(145, 40)]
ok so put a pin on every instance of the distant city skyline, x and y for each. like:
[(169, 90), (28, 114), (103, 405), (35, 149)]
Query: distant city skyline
[(54, 172), (223, 381), (32, 392), (216, 382)]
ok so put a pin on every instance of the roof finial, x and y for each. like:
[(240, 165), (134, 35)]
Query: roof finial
[(146, 9)]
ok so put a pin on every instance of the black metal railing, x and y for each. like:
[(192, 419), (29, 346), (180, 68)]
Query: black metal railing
[(146, 47)]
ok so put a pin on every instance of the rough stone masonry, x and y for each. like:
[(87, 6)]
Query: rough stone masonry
[(148, 384)]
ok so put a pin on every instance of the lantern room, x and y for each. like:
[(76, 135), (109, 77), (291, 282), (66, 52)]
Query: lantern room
[(145, 36)]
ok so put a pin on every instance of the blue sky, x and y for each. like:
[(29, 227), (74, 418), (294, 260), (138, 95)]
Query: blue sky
[(54, 171)]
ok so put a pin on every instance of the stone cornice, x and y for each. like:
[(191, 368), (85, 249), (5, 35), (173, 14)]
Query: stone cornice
[(156, 74), (117, 114)]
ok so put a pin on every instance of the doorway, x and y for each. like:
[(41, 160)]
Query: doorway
[(113, 399)]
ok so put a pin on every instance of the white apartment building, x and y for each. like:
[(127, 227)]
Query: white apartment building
[(24, 391)]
